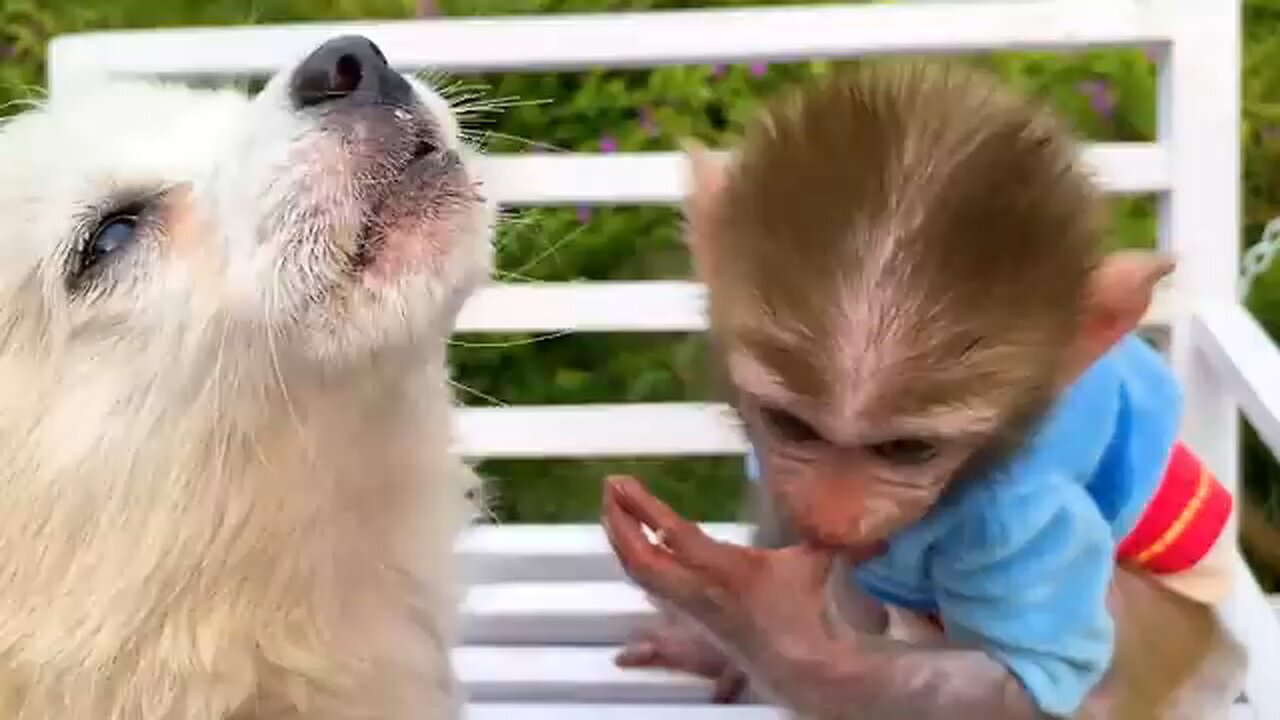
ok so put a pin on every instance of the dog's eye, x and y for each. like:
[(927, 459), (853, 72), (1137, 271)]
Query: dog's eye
[(111, 234)]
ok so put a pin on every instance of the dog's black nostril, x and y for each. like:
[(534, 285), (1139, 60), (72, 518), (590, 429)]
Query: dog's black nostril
[(348, 67), (346, 76)]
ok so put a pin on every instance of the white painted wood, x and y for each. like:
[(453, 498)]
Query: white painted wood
[(1243, 356), (546, 613), (1199, 118), (524, 711), (634, 306), (590, 711), (649, 178), (586, 306), (622, 39), (554, 553), (560, 673), (600, 430)]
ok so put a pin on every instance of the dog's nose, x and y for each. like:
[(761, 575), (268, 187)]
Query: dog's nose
[(348, 68)]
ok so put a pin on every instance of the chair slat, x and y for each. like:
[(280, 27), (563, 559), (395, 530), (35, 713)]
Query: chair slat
[(627, 711), (631, 306), (648, 178), (587, 306), (1247, 361), (500, 711), (622, 39), (600, 431), (584, 681), (554, 552), (549, 613), (589, 711), (564, 673)]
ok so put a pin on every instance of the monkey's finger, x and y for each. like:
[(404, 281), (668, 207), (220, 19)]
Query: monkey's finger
[(650, 566), (692, 547), (654, 655), (672, 652), (729, 686), (675, 531), (640, 654)]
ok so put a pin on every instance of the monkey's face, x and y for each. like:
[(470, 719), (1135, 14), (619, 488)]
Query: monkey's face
[(897, 263), (847, 477)]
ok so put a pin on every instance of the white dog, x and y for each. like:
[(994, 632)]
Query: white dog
[(225, 469)]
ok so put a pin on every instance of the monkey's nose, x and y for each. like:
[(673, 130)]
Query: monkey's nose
[(348, 69)]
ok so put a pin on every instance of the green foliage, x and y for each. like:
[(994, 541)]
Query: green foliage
[(1104, 95)]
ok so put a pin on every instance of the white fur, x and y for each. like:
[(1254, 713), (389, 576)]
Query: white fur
[(226, 479)]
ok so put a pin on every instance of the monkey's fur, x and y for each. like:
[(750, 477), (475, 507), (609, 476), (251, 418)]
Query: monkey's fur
[(912, 240), (959, 242)]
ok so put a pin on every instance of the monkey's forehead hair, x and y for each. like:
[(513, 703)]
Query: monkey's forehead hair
[(921, 204)]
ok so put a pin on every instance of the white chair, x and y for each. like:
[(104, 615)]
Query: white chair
[(550, 605)]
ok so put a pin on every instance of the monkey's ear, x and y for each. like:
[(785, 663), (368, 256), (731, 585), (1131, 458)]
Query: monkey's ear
[(705, 180), (1118, 296)]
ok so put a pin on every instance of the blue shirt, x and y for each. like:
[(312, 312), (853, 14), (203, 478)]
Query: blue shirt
[(1019, 562)]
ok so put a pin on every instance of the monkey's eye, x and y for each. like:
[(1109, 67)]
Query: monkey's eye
[(906, 451), (788, 427)]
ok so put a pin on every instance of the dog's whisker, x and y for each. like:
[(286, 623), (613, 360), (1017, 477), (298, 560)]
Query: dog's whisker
[(497, 345), (508, 275), (477, 393), (551, 250), (502, 103), (272, 306), (527, 142), (20, 104)]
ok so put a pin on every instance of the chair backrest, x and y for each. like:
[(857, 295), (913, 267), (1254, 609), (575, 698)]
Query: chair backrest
[(1192, 166)]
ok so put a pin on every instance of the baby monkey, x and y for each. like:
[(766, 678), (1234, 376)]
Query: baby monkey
[(951, 417)]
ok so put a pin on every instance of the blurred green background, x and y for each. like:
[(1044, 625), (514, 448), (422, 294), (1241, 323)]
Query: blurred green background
[(1106, 95)]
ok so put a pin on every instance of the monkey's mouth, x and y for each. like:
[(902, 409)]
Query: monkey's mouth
[(862, 553), (415, 168)]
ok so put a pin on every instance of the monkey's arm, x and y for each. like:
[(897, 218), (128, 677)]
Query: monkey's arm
[(874, 678), (1039, 657), (1022, 574)]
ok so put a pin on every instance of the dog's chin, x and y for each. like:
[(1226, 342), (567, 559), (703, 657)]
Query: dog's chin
[(421, 252), (398, 178), (418, 223)]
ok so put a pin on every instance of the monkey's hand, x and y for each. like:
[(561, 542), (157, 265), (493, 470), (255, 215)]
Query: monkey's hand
[(769, 610), (677, 643), (759, 604)]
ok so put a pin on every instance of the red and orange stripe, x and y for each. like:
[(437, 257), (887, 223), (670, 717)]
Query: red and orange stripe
[(1181, 522)]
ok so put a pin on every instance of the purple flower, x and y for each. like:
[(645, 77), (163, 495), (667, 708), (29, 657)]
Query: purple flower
[(584, 214), (1101, 98), (759, 68), (647, 123), (717, 70), (608, 144), (7, 51)]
